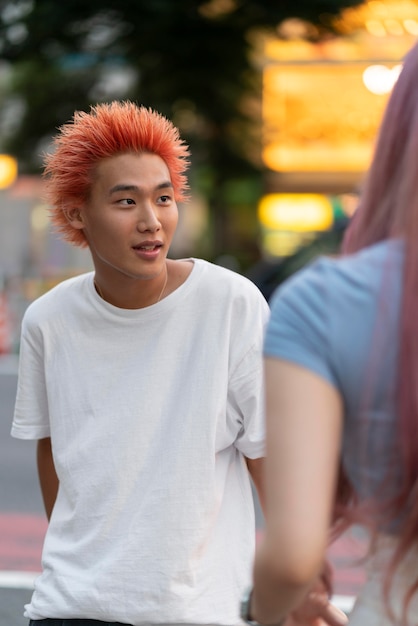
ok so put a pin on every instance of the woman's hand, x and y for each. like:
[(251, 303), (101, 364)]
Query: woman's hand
[(317, 610)]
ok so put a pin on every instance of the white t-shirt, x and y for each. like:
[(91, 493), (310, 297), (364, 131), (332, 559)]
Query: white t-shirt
[(151, 413)]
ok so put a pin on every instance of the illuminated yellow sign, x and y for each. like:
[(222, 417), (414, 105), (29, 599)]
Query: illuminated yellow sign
[(322, 117), (283, 243), (8, 170), (295, 212), (323, 102)]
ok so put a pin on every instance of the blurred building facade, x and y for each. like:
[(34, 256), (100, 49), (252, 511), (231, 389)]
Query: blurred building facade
[(32, 258)]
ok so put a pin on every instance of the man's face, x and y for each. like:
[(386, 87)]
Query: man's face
[(130, 217)]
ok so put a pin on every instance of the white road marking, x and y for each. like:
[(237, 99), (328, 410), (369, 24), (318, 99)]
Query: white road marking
[(17, 580)]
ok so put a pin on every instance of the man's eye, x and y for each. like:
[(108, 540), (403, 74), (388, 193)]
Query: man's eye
[(126, 201), (165, 199)]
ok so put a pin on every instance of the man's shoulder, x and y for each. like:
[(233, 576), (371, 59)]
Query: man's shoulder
[(57, 298), (229, 281)]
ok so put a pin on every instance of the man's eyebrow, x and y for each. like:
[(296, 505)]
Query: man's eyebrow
[(124, 187)]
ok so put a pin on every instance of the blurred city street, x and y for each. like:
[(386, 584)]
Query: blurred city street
[(280, 104), (23, 523)]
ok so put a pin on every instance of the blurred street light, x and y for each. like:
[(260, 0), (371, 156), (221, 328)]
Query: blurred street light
[(380, 79), (301, 212), (8, 170), (290, 220)]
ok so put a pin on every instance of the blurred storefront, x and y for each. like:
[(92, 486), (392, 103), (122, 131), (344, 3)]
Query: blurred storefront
[(322, 106), (32, 258)]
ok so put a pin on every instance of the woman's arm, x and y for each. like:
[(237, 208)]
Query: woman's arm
[(48, 479), (304, 421)]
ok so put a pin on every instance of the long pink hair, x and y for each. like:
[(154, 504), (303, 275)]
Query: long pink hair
[(388, 208), (107, 130)]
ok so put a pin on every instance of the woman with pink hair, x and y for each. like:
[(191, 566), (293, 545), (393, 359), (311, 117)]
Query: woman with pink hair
[(341, 371)]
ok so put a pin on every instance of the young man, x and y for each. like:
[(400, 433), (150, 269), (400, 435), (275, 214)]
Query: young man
[(142, 382)]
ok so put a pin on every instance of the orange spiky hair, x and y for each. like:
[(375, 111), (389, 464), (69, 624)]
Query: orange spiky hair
[(106, 131)]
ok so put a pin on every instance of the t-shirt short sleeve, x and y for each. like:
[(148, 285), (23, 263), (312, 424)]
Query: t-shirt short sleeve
[(246, 405), (31, 416), (299, 325)]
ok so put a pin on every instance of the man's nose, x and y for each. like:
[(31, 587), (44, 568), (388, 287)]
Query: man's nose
[(148, 219)]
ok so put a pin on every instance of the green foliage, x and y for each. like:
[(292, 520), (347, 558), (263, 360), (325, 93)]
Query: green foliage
[(49, 100), (189, 59)]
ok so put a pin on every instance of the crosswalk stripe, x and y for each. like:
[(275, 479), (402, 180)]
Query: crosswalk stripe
[(17, 580)]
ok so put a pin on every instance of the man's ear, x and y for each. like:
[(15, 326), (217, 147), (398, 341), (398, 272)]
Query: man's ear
[(74, 217)]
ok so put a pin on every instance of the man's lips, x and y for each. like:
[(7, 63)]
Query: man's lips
[(148, 246)]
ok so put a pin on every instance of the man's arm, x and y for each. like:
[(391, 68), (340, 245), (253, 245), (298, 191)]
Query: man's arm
[(256, 470), (48, 479)]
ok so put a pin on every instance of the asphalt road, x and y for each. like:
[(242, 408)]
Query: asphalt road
[(19, 496), (12, 602), (19, 489)]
